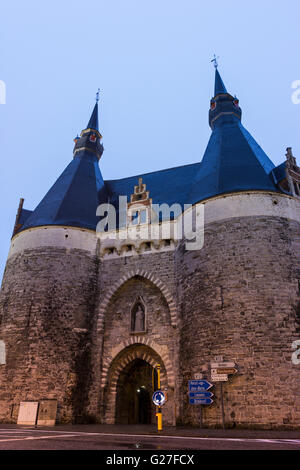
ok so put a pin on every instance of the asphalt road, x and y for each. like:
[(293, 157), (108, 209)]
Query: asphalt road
[(40, 439)]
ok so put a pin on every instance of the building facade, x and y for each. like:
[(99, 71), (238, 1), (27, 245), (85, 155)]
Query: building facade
[(91, 303)]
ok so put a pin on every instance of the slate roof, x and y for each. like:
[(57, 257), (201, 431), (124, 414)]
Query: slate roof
[(279, 172), (73, 199), (219, 84), (93, 122), (233, 162)]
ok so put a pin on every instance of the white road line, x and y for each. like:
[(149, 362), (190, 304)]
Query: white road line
[(14, 432), (154, 436), (35, 438)]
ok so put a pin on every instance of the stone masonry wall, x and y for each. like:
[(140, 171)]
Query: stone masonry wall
[(65, 321), (239, 298), (46, 307), (148, 276)]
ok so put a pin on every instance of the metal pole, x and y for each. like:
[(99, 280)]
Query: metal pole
[(158, 376), (159, 412), (222, 405), (200, 416)]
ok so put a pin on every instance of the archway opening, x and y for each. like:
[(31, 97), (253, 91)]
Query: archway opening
[(134, 394)]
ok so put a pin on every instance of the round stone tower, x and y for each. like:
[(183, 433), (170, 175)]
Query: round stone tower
[(240, 292), (49, 290)]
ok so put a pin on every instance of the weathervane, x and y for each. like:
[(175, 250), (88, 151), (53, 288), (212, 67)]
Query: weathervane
[(215, 61), (98, 95)]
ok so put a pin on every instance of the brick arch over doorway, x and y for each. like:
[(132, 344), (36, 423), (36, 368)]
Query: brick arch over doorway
[(142, 274), (124, 356)]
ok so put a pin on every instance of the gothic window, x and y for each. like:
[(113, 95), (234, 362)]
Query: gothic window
[(138, 324), (135, 218)]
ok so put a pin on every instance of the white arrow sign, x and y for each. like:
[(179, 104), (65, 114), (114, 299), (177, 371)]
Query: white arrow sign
[(225, 365), (219, 378)]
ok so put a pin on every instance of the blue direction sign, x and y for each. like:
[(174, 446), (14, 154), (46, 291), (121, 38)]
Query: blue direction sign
[(203, 401), (201, 395), (199, 385)]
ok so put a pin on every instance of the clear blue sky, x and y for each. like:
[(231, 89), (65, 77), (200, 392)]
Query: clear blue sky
[(152, 61)]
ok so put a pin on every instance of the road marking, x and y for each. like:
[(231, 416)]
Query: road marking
[(151, 436), (30, 438)]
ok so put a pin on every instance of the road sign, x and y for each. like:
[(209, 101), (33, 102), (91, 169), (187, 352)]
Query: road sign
[(158, 398), (227, 371), (222, 365), (198, 376), (199, 385), (201, 395), (202, 401), (218, 358), (219, 378)]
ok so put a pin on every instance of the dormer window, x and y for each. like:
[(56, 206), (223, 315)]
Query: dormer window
[(135, 218), (143, 217), (139, 217), (139, 207)]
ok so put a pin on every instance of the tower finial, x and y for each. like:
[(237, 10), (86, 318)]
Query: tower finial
[(215, 61), (98, 95)]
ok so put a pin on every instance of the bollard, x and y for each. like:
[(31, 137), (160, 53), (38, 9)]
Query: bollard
[(159, 419)]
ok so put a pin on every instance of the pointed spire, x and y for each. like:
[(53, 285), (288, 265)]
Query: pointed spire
[(74, 197), (93, 122), (219, 84), (223, 107), (90, 138)]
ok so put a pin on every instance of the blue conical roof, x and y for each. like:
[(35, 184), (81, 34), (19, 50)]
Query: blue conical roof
[(233, 160), (75, 196), (93, 122), (219, 84)]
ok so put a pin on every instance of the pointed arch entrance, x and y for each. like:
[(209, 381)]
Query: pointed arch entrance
[(130, 385)]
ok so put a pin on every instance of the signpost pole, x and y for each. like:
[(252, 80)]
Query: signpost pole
[(158, 376), (222, 405), (200, 411), (159, 411), (199, 395)]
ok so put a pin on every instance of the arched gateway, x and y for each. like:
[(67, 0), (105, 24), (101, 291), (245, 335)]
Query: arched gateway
[(131, 381), (134, 390)]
